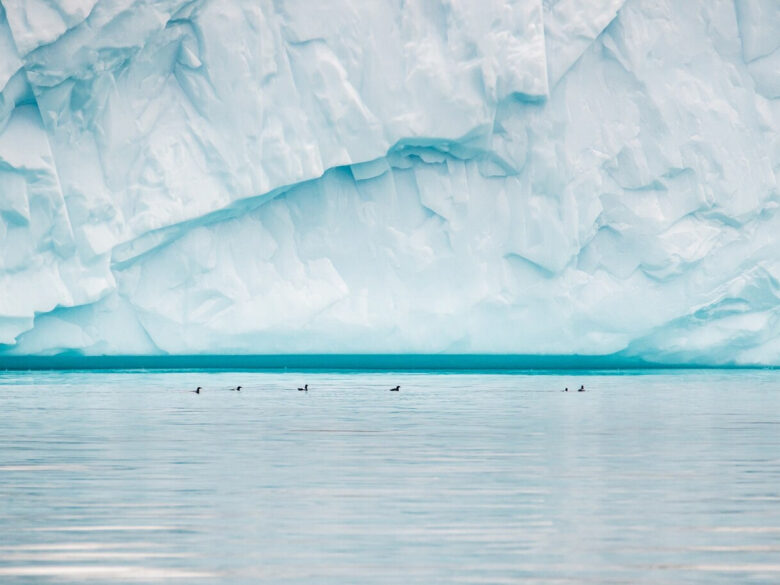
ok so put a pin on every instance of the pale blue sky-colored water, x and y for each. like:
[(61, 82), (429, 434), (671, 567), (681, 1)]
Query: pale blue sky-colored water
[(648, 477)]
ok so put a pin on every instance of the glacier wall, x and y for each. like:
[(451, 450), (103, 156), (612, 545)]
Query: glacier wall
[(510, 176)]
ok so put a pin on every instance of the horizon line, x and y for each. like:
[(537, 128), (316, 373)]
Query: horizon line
[(411, 362)]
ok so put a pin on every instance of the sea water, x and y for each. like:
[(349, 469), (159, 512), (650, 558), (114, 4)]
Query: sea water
[(647, 477)]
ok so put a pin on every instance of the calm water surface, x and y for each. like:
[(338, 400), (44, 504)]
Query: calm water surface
[(646, 478)]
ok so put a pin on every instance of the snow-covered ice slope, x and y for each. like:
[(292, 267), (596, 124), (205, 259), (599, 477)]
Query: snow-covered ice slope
[(512, 176)]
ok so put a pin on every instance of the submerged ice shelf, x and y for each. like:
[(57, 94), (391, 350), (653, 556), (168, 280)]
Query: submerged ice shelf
[(531, 176)]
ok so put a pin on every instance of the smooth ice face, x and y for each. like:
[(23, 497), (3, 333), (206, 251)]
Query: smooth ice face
[(533, 176)]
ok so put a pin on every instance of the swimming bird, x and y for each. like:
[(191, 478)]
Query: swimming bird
[(304, 389), (566, 389), (396, 389), (197, 390), (237, 388), (581, 388)]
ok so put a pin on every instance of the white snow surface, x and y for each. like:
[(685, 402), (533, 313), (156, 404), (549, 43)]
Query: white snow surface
[(503, 176)]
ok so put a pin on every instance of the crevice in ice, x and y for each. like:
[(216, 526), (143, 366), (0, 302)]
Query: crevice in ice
[(590, 21), (527, 98), (513, 258)]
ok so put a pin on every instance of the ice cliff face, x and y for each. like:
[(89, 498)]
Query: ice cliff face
[(514, 176)]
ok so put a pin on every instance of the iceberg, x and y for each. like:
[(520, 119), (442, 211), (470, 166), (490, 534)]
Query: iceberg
[(568, 177)]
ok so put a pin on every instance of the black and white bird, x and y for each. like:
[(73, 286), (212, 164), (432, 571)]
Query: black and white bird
[(396, 389), (197, 390), (237, 388), (304, 389)]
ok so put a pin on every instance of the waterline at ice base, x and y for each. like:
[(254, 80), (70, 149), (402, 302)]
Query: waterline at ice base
[(533, 177)]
